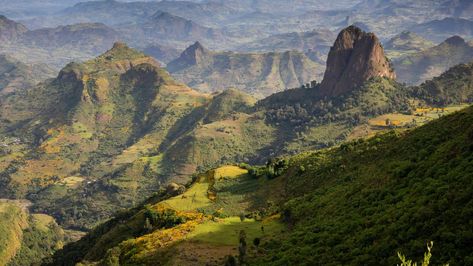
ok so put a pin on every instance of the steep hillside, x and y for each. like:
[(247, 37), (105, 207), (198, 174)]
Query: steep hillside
[(91, 121), (10, 30), (424, 65), (260, 74), (26, 238), (15, 75), (394, 192)]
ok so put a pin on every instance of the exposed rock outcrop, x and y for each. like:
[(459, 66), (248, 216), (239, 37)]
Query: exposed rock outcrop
[(355, 57)]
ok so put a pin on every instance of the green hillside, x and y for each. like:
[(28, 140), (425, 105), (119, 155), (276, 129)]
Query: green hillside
[(26, 238), (356, 204)]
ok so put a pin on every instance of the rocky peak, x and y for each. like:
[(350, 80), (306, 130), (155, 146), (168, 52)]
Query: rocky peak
[(355, 57), (193, 55), (455, 41)]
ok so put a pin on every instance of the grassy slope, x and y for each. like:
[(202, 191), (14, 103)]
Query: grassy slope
[(217, 193)]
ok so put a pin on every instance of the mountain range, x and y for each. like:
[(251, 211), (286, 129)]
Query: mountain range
[(67, 155), (260, 74), (209, 132)]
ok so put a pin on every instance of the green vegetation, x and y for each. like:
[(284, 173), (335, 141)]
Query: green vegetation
[(394, 190), (359, 203), (26, 239)]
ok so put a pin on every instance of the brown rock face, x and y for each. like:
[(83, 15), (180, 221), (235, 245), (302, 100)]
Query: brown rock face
[(355, 57)]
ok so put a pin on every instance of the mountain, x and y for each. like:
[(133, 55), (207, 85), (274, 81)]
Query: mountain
[(257, 73), (27, 9), (315, 44), (355, 57), (94, 37), (398, 191), (10, 30), (170, 30), (164, 54), (58, 46), (15, 75), (116, 13), (284, 7), (318, 39), (404, 43), (418, 67), (438, 30), (458, 8)]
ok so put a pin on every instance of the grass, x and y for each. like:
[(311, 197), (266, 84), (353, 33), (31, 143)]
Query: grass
[(229, 171), (42, 221), (194, 198), (226, 231)]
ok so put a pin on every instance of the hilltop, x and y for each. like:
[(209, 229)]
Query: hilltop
[(260, 74)]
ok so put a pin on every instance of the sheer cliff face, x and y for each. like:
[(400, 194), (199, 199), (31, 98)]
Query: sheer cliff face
[(355, 57)]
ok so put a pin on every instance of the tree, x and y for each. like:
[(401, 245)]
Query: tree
[(425, 261), (148, 227), (256, 242), (242, 247), (230, 261)]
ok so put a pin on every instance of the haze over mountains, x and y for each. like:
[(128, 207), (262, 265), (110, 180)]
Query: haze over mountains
[(258, 73), (225, 132)]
